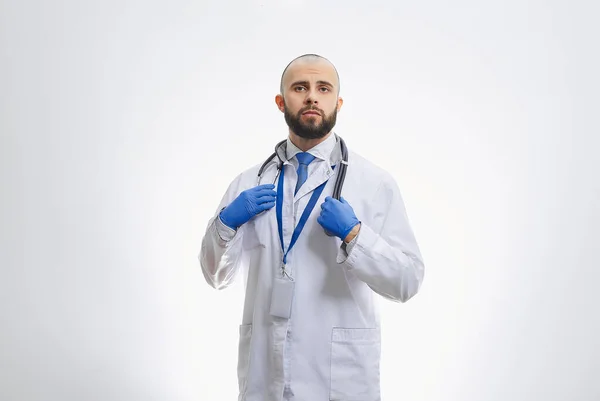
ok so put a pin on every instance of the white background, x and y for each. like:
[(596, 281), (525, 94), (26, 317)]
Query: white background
[(123, 122)]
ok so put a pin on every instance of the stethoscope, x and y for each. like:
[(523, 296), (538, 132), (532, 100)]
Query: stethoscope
[(339, 182)]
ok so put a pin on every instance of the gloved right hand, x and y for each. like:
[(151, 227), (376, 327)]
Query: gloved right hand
[(248, 204)]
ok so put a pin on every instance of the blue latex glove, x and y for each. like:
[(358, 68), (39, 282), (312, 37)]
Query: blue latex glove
[(248, 204), (337, 217)]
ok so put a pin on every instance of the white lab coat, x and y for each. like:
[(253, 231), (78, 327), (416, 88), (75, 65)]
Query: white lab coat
[(329, 349)]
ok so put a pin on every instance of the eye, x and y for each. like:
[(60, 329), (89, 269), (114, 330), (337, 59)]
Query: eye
[(324, 89), (299, 88)]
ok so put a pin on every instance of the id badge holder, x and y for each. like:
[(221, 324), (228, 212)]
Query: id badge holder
[(282, 297)]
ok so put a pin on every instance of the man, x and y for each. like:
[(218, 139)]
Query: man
[(310, 328)]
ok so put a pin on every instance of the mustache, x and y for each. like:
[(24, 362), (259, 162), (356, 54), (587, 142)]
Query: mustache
[(309, 108)]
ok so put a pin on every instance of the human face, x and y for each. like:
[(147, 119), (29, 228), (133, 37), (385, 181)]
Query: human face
[(309, 100)]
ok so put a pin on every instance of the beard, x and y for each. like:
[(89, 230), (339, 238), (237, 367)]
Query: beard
[(311, 129)]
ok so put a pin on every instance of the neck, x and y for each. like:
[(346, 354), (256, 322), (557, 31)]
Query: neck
[(306, 144)]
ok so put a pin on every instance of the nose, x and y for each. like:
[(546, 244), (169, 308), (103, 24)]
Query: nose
[(311, 99)]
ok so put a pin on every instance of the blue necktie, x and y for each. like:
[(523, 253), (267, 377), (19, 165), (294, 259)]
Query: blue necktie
[(304, 160)]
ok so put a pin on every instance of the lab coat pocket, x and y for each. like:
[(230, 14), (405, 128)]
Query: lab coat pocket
[(355, 355), (244, 356)]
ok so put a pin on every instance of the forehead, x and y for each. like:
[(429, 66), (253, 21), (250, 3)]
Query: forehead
[(311, 71)]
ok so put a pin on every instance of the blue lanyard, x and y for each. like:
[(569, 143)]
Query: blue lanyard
[(307, 211)]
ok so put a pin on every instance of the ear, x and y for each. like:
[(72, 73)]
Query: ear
[(340, 101), (280, 103)]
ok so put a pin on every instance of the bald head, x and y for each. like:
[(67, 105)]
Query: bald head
[(307, 59)]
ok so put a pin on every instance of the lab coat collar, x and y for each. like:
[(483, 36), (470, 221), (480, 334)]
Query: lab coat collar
[(320, 151), (326, 150), (329, 150)]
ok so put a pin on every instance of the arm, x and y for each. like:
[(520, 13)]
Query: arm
[(384, 253), (222, 245), (221, 250)]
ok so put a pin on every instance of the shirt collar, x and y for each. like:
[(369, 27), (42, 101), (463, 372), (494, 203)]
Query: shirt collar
[(321, 151)]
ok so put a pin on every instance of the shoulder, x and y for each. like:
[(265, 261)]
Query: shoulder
[(246, 179), (251, 171), (369, 171), (375, 185)]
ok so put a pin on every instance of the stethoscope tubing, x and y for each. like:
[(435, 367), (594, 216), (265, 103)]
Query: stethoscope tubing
[(343, 165), (339, 182)]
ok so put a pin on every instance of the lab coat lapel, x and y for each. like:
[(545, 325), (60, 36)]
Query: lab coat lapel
[(319, 176), (323, 173)]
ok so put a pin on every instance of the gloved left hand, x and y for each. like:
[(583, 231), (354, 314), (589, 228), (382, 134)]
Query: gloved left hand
[(337, 217)]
